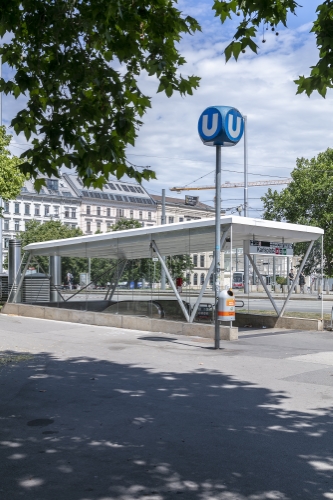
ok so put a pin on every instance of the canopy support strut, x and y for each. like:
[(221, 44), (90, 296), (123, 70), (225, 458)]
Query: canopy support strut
[(264, 284), (117, 275), (300, 269), (173, 286), (21, 279), (210, 270)]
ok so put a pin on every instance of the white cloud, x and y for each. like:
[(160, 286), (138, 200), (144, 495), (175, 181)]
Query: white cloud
[(281, 125)]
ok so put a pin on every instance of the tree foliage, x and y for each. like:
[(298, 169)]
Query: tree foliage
[(11, 178), (256, 13), (78, 63), (123, 224), (308, 200), (53, 230)]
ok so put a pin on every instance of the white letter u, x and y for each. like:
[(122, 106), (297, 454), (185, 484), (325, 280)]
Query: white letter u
[(234, 133), (209, 131)]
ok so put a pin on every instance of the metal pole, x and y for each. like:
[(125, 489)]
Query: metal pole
[(217, 252), (231, 266), (246, 205), (322, 278), (288, 264), (163, 221), (274, 271), (236, 259), (1, 244)]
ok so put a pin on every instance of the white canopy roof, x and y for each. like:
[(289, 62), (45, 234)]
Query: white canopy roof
[(174, 239)]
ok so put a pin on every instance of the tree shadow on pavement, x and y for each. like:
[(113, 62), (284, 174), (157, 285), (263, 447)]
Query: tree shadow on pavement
[(86, 429)]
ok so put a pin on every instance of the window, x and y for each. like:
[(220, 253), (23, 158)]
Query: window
[(6, 225), (171, 220), (132, 189), (195, 279), (6, 207), (73, 226), (181, 219), (188, 279), (98, 211), (149, 215), (108, 225), (37, 210), (6, 244), (195, 260), (108, 212), (27, 209), (47, 210), (99, 225), (88, 211), (56, 211), (52, 184), (140, 214), (66, 212), (118, 187), (211, 279), (120, 212), (73, 213), (202, 261), (125, 188), (131, 214), (88, 226), (16, 208), (202, 279), (16, 225)]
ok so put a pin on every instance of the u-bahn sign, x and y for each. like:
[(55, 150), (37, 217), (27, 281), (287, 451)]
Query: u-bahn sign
[(221, 126), (273, 248)]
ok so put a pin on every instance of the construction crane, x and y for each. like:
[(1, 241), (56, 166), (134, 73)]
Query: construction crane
[(234, 185)]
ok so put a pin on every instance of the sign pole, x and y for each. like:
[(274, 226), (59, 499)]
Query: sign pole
[(217, 241), (246, 205)]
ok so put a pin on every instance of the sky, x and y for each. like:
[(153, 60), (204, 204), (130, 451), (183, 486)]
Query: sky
[(282, 126)]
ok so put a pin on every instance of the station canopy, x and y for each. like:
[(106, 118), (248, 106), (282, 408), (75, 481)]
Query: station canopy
[(174, 239)]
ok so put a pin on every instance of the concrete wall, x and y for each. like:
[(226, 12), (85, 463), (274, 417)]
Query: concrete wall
[(118, 321), (257, 320)]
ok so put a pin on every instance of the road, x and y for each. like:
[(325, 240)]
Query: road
[(252, 304), (97, 413)]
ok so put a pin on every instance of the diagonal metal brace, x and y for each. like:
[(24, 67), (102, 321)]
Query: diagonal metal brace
[(297, 278), (173, 286), (264, 284)]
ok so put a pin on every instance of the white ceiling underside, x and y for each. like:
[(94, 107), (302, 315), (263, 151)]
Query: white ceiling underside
[(174, 239)]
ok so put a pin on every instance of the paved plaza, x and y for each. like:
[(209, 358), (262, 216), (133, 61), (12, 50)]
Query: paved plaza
[(96, 413)]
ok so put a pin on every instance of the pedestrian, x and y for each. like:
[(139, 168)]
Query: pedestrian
[(69, 280), (301, 281), (291, 276)]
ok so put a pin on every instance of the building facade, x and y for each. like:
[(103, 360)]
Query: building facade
[(57, 200), (101, 208)]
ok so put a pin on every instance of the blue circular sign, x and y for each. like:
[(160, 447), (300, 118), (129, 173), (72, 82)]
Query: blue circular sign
[(221, 126)]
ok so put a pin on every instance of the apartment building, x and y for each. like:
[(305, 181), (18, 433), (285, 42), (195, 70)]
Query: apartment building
[(101, 208), (57, 200)]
